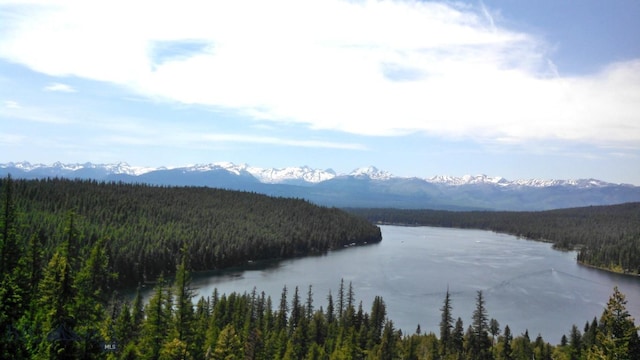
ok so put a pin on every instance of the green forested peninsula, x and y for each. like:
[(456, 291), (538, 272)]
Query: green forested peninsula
[(607, 237), (144, 227)]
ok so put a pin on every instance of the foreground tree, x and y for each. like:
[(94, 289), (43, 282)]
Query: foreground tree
[(617, 335), (446, 326), (480, 343)]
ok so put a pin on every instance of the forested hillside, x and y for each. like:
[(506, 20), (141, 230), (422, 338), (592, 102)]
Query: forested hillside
[(606, 236), (143, 228)]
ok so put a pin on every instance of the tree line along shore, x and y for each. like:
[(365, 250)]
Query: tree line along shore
[(605, 237)]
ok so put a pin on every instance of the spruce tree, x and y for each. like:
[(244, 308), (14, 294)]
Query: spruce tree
[(481, 344), (616, 332), (446, 325), (183, 320)]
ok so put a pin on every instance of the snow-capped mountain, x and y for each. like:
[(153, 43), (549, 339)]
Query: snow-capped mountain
[(468, 179), (500, 181), (362, 187), (372, 173), (59, 168), (292, 175), (303, 174)]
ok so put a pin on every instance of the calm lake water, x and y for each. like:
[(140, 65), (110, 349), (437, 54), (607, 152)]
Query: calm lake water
[(526, 284)]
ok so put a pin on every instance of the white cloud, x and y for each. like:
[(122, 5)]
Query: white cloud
[(376, 68), (59, 87)]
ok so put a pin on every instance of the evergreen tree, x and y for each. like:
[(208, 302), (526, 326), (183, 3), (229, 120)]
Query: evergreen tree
[(341, 300), (457, 338), (296, 312), (92, 284), (615, 336), (156, 326), (330, 309), (388, 342), (55, 312), (481, 344), (575, 343), (283, 309), (229, 345), (446, 326), (184, 320), (506, 353), (309, 306), (377, 321)]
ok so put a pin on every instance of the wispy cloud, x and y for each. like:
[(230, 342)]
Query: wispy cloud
[(12, 110), (10, 104), (59, 87), (240, 138), (372, 68)]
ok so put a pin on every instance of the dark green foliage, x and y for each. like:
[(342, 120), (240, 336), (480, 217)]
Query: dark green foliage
[(607, 236), (480, 343), (446, 326), (617, 335), (144, 227), (57, 301)]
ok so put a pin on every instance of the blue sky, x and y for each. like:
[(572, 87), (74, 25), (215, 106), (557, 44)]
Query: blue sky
[(518, 89)]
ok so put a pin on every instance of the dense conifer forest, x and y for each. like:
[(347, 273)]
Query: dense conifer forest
[(58, 301), (143, 228), (607, 237)]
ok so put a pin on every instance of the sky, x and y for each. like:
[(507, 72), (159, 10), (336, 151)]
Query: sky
[(519, 89)]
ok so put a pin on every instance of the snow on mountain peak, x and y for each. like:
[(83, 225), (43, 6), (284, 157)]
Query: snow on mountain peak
[(372, 173), (289, 174), (467, 180), (300, 175)]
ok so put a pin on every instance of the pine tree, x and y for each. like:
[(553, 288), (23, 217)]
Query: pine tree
[(57, 295), (183, 320), (157, 323), (309, 305), (615, 336), (481, 344), (575, 343), (228, 346), (388, 342), (330, 309), (506, 352), (283, 309), (378, 318), (296, 312), (457, 338), (446, 325), (92, 284)]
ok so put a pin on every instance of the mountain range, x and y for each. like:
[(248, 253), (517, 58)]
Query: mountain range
[(363, 187)]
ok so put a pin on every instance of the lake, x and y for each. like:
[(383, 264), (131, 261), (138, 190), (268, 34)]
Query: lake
[(526, 284)]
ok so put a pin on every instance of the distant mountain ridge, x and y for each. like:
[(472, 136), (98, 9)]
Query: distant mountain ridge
[(363, 187), (287, 174)]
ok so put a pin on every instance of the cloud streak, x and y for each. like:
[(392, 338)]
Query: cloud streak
[(373, 68), (59, 87)]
